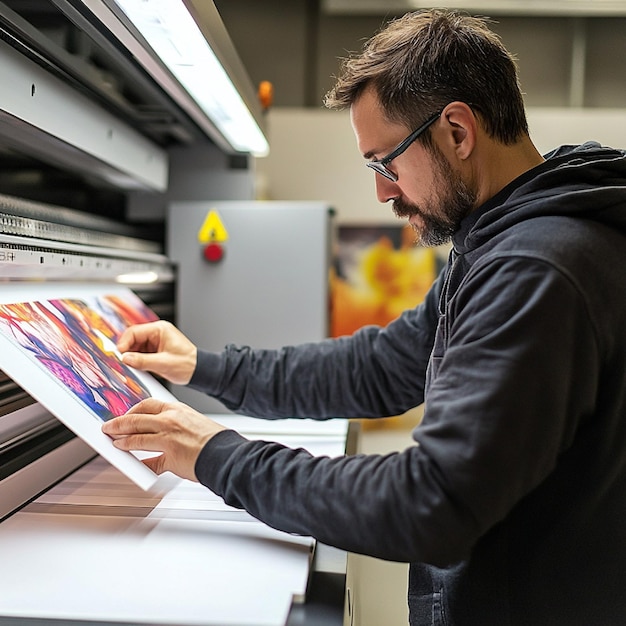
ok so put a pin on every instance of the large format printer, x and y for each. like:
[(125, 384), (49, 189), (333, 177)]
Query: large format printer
[(95, 128)]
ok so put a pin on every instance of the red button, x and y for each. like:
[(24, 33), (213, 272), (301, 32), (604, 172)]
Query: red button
[(213, 252)]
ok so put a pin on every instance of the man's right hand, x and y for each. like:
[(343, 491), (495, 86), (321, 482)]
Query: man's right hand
[(159, 347)]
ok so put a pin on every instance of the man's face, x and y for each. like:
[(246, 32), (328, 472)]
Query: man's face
[(429, 192)]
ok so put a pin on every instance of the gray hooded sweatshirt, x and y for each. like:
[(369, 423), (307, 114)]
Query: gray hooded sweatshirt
[(511, 505)]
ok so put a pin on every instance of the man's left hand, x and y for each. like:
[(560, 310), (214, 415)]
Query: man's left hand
[(172, 428)]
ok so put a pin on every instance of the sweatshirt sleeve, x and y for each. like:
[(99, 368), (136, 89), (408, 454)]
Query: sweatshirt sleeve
[(376, 372), (503, 406)]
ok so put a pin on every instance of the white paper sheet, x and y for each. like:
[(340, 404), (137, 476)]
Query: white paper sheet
[(149, 571), (57, 341), (96, 547), (289, 426)]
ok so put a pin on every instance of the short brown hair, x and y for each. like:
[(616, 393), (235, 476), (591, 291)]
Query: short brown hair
[(424, 60)]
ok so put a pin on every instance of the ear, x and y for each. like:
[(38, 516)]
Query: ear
[(462, 128)]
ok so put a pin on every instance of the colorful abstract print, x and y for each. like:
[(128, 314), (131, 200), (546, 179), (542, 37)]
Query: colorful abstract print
[(74, 340)]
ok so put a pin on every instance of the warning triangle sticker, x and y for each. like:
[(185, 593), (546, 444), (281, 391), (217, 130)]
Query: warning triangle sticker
[(212, 229)]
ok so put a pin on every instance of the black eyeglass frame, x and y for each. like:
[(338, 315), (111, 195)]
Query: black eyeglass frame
[(380, 165)]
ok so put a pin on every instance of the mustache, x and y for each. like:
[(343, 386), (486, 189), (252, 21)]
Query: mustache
[(404, 209)]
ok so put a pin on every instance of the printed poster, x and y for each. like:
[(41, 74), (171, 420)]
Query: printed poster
[(58, 342), (379, 272)]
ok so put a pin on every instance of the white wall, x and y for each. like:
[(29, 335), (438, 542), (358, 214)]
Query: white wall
[(550, 127), (314, 155)]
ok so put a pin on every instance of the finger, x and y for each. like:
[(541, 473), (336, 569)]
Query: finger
[(148, 442), (139, 337), (127, 339), (151, 406), (134, 424), (133, 359), (145, 361), (142, 417)]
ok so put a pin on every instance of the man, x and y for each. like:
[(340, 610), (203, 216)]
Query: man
[(511, 507)]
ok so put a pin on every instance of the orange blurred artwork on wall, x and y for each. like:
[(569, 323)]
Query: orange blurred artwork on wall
[(378, 273)]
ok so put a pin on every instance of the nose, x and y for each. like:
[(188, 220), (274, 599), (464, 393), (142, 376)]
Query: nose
[(386, 189)]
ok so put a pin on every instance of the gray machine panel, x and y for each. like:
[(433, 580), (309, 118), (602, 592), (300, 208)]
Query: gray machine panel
[(270, 289)]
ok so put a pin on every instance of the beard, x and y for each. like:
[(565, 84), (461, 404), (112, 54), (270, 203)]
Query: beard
[(440, 216)]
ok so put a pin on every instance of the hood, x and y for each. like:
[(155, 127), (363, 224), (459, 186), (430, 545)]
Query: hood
[(586, 181)]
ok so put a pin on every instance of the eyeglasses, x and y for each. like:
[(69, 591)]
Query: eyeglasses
[(380, 165)]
